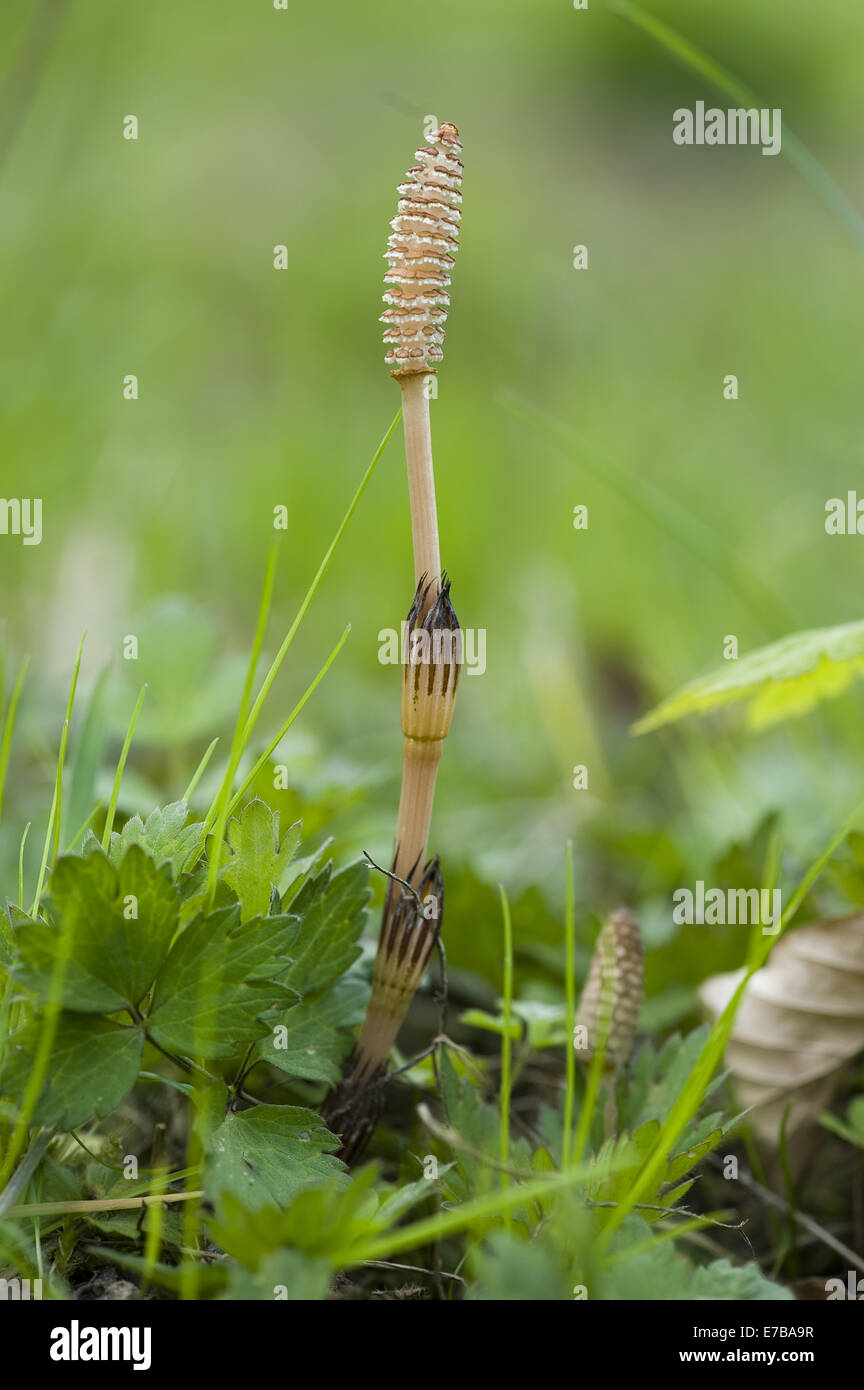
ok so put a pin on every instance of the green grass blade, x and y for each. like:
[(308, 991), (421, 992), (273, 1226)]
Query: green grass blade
[(47, 1033), (82, 829), (153, 1238), (118, 775), (316, 582), (806, 883), (21, 865), (570, 997), (199, 771), (218, 810), (52, 833), (278, 737), (9, 725), (7, 1012), (506, 1045), (218, 813), (18, 1185), (431, 1229), (87, 756)]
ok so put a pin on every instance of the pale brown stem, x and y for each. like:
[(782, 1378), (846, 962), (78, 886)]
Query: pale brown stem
[(391, 994), (396, 975), (420, 762), (378, 1035), (421, 478)]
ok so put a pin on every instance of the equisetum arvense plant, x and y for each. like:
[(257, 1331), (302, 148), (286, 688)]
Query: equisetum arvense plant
[(420, 254), (608, 1013)]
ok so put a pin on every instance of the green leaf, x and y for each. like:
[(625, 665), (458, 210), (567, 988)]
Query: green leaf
[(211, 1106), (332, 911), (853, 1130), (320, 1221), (630, 1152), (267, 1154), (12, 917), (37, 945), (132, 1225), (165, 836), (743, 1283), (657, 1273), (491, 1023), (93, 1064), (671, 1198), (683, 1162), (258, 861), (543, 1024), (512, 1270), (118, 923), (283, 1276), (783, 679), (216, 982), (646, 1100), (656, 1078), (479, 1126), (327, 1221), (310, 1040), (394, 1204)]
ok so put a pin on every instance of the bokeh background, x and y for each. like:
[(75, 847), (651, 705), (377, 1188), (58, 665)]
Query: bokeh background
[(260, 387)]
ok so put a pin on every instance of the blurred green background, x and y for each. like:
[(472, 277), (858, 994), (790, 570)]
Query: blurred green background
[(604, 386)]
